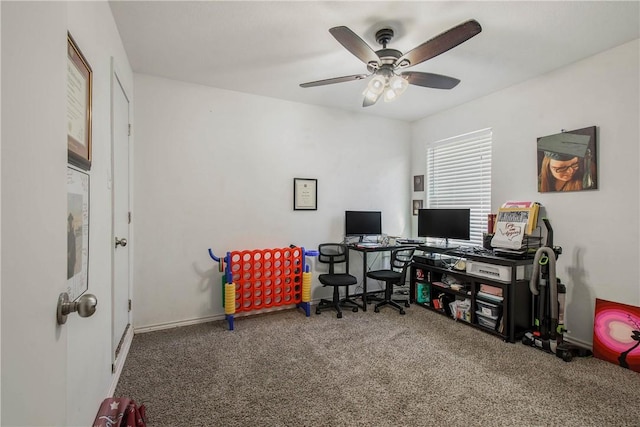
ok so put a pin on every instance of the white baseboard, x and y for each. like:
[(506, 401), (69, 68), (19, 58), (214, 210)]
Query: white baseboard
[(177, 324), (578, 342), (196, 321), (119, 363)]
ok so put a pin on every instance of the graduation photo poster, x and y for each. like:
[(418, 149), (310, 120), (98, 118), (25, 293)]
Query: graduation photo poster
[(567, 161)]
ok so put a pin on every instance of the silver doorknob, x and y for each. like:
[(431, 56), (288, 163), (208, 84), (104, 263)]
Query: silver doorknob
[(122, 242), (85, 306)]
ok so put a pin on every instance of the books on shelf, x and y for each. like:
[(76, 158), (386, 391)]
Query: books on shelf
[(441, 284), (489, 289), (489, 297)]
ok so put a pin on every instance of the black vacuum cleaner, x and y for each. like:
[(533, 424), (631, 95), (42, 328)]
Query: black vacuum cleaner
[(549, 301)]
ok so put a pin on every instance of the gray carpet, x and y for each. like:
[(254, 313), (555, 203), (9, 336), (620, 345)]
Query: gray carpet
[(366, 369)]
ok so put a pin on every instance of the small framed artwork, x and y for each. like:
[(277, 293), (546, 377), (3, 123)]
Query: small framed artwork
[(417, 205), (77, 232), (79, 94), (305, 194), (567, 161), (418, 183)]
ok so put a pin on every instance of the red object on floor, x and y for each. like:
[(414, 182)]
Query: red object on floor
[(120, 412)]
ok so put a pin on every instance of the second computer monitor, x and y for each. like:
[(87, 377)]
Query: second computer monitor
[(450, 223), (362, 223)]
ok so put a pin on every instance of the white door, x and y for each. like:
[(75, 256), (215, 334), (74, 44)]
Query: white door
[(121, 216), (33, 208)]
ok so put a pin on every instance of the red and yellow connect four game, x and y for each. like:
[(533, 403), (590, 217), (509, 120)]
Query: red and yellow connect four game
[(266, 278)]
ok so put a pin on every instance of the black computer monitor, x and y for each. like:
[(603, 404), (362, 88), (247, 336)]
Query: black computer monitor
[(362, 223), (449, 223)]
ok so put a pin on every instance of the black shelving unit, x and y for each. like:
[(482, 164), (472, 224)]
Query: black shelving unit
[(509, 319)]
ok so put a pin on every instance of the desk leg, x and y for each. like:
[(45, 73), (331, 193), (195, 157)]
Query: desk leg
[(364, 281)]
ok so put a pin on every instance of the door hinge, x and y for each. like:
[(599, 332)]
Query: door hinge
[(113, 368), (129, 216), (129, 305), (129, 130)]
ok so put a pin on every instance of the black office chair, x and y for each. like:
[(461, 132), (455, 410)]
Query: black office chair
[(396, 275), (332, 254)]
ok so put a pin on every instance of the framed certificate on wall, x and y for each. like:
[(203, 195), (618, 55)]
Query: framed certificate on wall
[(79, 88), (305, 194)]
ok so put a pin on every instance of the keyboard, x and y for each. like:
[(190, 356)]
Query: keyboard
[(442, 247), (368, 245)]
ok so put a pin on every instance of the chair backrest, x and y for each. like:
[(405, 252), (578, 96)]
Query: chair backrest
[(400, 260), (333, 253)]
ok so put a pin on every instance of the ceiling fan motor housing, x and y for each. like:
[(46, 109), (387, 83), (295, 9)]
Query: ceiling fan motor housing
[(387, 56), (384, 36)]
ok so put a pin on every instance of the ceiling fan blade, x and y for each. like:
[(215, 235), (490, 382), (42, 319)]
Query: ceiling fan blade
[(440, 43), (335, 80), (431, 80), (355, 45)]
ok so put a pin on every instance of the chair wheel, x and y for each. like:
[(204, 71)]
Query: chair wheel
[(401, 311), (339, 315), (317, 311), (376, 310), (354, 309), (406, 304)]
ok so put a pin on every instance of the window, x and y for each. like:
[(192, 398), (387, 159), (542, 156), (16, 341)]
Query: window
[(459, 176)]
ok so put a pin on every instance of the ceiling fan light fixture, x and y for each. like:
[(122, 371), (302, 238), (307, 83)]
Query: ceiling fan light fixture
[(395, 87), (376, 85), (398, 84), (390, 95), (370, 98)]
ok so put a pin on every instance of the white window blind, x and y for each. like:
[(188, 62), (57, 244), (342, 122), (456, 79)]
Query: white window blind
[(459, 176)]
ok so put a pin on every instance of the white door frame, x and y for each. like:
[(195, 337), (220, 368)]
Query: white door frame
[(125, 343)]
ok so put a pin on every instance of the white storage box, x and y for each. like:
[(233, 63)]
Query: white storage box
[(501, 273)]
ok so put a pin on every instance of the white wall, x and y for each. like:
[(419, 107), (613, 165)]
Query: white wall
[(52, 375), (598, 230), (214, 169)]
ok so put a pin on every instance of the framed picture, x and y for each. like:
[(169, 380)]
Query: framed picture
[(417, 205), (305, 194), (567, 161), (418, 183), (79, 93), (77, 232), (616, 334)]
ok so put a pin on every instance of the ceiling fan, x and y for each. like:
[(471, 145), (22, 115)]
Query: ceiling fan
[(385, 64)]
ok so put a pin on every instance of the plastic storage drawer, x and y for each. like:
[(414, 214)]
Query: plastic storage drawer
[(488, 309), (486, 321)]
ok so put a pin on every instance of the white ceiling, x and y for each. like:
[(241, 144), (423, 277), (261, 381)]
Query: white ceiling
[(269, 47)]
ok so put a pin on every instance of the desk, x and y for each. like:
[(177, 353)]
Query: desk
[(364, 250)]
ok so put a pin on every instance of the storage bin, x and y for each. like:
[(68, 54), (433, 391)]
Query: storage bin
[(423, 293), (486, 321), (488, 309)]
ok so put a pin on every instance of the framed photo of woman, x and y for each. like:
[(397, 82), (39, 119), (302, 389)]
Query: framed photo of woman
[(567, 161)]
